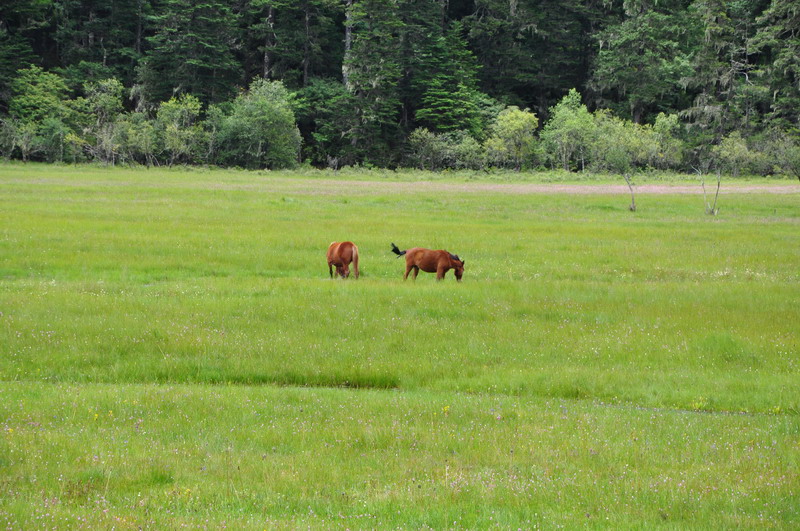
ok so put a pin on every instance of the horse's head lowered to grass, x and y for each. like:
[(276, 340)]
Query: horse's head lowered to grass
[(458, 266)]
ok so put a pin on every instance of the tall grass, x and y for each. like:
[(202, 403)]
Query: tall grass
[(595, 366), (167, 456)]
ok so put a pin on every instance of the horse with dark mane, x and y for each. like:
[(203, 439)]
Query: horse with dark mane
[(341, 255), (430, 261)]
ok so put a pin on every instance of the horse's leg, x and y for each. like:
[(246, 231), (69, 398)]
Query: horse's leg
[(440, 273), (330, 269), (346, 271), (416, 272), (408, 270)]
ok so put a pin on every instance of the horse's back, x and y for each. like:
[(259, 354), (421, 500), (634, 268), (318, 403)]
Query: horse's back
[(332, 251), (341, 252), (425, 259)]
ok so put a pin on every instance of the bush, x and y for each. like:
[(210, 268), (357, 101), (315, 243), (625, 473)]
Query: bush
[(260, 131), (468, 153), (456, 150), (569, 132), (428, 151), (178, 130), (619, 145), (8, 130), (733, 155), (325, 113), (52, 139), (784, 151), (137, 137), (669, 152), (513, 141)]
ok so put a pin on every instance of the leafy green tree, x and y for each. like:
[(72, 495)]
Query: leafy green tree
[(37, 95), (138, 139), (52, 134), (260, 131), (428, 150), (669, 148), (96, 115), (27, 139), (619, 145), (8, 131), (733, 154), (448, 66), (455, 149), (784, 149), (177, 125), (569, 131), (104, 99), (39, 110), (513, 138)]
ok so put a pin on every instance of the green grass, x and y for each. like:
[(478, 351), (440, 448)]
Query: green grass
[(173, 352)]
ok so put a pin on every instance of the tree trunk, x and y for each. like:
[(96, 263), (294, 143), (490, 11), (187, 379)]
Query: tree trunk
[(348, 42), (306, 46), (636, 113), (632, 208), (269, 43), (139, 29)]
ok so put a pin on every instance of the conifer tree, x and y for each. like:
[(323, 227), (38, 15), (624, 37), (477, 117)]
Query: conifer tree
[(191, 52), (778, 37), (448, 86), (373, 70)]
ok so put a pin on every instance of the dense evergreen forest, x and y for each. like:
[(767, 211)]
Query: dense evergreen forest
[(574, 84)]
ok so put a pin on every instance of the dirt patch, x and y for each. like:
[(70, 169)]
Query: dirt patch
[(334, 186), (294, 185)]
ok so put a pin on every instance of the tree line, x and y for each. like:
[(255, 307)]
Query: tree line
[(573, 84)]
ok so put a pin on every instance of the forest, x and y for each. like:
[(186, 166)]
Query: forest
[(615, 86)]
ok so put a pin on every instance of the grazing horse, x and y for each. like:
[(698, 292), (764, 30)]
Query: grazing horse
[(430, 261), (341, 254)]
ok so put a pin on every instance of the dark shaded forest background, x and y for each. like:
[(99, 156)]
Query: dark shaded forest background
[(574, 84)]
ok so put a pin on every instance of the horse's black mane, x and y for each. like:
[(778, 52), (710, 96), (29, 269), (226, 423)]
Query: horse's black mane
[(454, 256)]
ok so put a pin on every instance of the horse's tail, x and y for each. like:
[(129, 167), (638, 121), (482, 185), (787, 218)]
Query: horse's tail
[(355, 259), (397, 251)]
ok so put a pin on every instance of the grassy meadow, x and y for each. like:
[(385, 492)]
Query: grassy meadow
[(173, 353)]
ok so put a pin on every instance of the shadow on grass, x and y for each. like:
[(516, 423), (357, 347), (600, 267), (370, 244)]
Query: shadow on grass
[(349, 381), (292, 379)]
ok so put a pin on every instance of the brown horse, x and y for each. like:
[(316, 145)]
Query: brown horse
[(430, 261), (341, 254)]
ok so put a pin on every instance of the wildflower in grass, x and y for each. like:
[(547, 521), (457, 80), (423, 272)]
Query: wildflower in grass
[(446, 410)]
